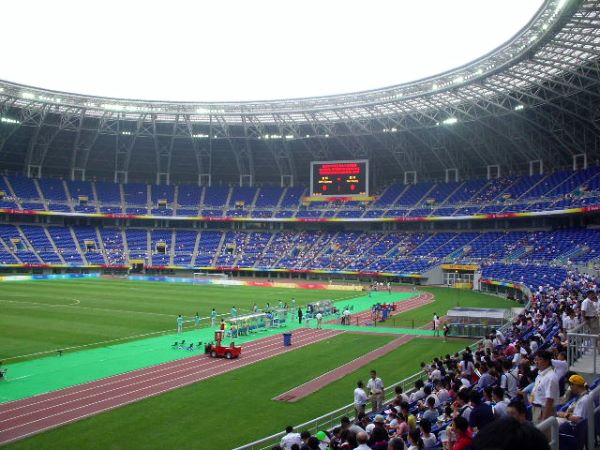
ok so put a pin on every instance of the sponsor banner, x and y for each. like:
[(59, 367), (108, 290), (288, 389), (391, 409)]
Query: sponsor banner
[(585, 209), (467, 267), (343, 287), (499, 283), (48, 277)]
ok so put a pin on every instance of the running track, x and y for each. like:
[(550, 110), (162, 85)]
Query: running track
[(33, 415)]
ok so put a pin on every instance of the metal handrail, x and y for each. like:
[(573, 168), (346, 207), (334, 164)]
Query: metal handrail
[(579, 342), (326, 420), (591, 418)]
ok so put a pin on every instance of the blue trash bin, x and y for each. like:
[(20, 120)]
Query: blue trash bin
[(287, 339)]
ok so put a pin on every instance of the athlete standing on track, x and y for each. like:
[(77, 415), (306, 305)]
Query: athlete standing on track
[(179, 324), (197, 320), (319, 317), (213, 317)]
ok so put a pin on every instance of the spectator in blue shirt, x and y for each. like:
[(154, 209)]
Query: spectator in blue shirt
[(431, 413), (482, 414)]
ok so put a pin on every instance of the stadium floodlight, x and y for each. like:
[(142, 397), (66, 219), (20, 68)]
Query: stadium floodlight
[(9, 120), (112, 106), (1, 89), (200, 136), (289, 136), (308, 135), (450, 121), (458, 79), (28, 95), (434, 87), (519, 107), (126, 133)]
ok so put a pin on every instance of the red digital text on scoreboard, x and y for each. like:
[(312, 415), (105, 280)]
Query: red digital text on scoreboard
[(339, 169), (339, 178)]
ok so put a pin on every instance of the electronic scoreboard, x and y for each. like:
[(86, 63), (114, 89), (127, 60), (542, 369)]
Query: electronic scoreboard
[(339, 178)]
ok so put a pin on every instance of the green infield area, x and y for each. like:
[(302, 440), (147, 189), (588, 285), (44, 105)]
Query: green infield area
[(44, 316)]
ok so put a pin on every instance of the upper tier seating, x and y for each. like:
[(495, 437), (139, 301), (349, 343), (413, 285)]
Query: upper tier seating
[(136, 194), (108, 193), (24, 188)]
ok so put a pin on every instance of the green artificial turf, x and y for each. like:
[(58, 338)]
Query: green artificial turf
[(44, 316), (236, 408)]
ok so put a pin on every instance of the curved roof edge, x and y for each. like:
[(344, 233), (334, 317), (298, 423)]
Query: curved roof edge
[(418, 95)]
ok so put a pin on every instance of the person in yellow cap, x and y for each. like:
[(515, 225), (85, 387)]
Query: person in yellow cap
[(578, 410)]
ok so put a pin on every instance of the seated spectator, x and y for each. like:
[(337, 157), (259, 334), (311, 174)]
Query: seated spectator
[(411, 420), (578, 410), (459, 435), (400, 395), (441, 391), (419, 394), (510, 434), (361, 440), (500, 403), (429, 439), (346, 424), (461, 405), (431, 413), (415, 440), (401, 427), (482, 413), (485, 378), (517, 410), (379, 431), (396, 444)]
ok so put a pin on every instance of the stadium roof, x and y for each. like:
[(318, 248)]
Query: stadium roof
[(239, 50), (533, 99)]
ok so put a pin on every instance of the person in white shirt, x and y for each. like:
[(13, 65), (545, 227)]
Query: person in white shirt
[(319, 318), (560, 365), (509, 380), (442, 393), (360, 398), (375, 388), (290, 438), (347, 316), (500, 403), (545, 393), (578, 409), (418, 394), (361, 439), (589, 312), (436, 374)]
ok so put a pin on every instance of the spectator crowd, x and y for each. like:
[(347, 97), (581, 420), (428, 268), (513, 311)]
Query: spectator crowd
[(488, 397)]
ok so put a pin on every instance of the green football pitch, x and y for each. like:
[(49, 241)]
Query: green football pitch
[(43, 316)]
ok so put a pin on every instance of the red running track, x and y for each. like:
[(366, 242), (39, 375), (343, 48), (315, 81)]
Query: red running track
[(299, 392), (33, 415)]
